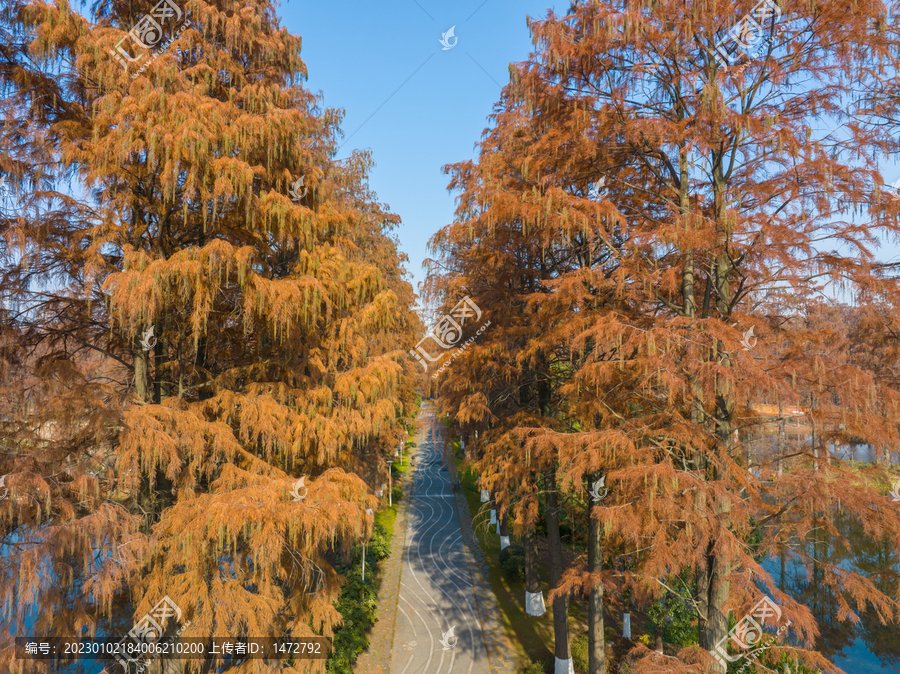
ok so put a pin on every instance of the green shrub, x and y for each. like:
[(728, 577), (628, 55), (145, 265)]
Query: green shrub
[(579, 650), (514, 550), (396, 494), (357, 604), (512, 561), (379, 545), (533, 667), (675, 614)]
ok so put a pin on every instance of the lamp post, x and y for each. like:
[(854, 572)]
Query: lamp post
[(370, 514), (390, 484)]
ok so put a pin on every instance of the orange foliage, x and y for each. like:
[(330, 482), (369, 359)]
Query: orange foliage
[(246, 338), (619, 313)]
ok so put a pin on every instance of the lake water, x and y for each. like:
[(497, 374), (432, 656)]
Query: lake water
[(868, 647)]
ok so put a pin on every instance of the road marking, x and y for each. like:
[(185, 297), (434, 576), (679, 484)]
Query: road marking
[(415, 634), (427, 628)]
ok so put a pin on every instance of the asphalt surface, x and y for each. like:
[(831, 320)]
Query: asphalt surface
[(438, 629)]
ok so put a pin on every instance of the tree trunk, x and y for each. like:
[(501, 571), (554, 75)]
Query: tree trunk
[(163, 378), (780, 438), (712, 588), (563, 662), (812, 423), (684, 207), (658, 646), (534, 597), (141, 372), (596, 635), (503, 530), (713, 584)]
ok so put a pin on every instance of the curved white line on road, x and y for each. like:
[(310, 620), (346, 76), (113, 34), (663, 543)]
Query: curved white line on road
[(427, 515), (441, 557), (453, 542), (417, 534), (428, 629), (472, 613), (410, 621)]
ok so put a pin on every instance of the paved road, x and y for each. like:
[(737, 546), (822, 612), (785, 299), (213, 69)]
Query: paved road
[(436, 591)]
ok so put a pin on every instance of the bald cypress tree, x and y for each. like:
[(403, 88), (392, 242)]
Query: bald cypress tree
[(679, 198), (245, 307)]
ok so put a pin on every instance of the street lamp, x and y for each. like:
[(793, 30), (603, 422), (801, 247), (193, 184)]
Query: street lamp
[(370, 514), (390, 484)]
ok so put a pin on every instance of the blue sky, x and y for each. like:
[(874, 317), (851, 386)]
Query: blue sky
[(415, 105), (430, 105)]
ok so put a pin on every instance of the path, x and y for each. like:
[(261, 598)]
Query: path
[(439, 629), (428, 577)]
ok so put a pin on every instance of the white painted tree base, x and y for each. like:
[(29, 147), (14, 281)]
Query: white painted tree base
[(493, 517), (504, 542), (626, 625), (498, 527), (485, 496), (534, 603), (563, 666)]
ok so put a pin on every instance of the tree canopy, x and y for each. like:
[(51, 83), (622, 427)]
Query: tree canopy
[(202, 306), (669, 240)]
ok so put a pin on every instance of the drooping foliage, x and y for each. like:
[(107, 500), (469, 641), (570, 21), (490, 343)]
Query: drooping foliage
[(202, 305), (665, 205)]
